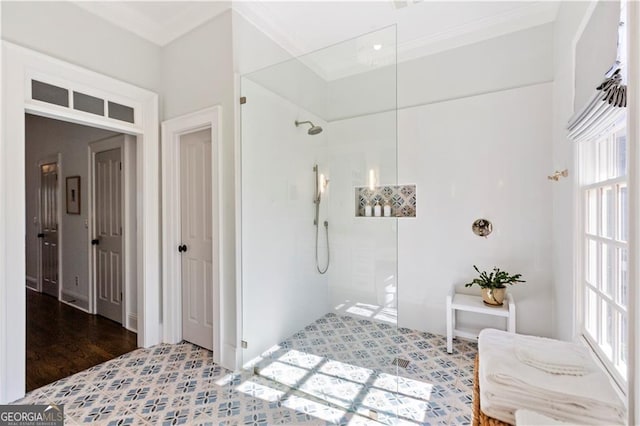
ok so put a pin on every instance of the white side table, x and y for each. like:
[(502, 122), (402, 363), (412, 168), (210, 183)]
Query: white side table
[(465, 302)]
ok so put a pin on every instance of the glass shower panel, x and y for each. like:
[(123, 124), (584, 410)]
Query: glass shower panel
[(319, 277)]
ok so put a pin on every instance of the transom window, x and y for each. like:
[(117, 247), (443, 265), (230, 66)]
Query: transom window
[(603, 165)]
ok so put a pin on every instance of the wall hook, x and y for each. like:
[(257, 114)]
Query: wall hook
[(558, 174)]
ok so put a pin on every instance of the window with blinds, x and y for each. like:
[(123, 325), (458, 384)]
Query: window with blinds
[(604, 278), (599, 130)]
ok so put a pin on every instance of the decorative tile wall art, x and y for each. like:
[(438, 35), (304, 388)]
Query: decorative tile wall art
[(401, 199)]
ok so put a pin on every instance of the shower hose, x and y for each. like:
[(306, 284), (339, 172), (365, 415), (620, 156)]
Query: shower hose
[(326, 228)]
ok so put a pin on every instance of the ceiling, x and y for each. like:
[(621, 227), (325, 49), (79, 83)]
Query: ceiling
[(423, 27)]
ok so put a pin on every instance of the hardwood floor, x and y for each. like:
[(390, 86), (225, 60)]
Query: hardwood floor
[(62, 340)]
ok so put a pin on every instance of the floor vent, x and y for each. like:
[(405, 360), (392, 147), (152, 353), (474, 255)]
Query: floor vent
[(403, 363)]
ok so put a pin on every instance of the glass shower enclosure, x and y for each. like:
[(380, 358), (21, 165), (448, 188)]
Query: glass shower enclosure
[(319, 229)]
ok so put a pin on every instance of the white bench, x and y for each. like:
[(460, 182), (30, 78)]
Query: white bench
[(468, 303)]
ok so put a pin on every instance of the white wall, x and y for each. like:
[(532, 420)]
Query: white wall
[(282, 291), (487, 157), (252, 49), (489, 101), (197, 72), (513, 60), (261, 60), (595, 51), (366, 93), (570, 15), (363, 273), (295, 82), (45, 138), (65, 31)]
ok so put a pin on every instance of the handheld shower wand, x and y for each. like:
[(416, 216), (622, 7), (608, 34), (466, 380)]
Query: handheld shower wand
[(321, 184)]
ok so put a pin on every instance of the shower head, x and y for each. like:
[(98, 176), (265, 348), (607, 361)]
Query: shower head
[(314, 130)]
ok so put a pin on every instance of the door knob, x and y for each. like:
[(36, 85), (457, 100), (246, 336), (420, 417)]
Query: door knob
[(95, 242), (182, 248), (41, 235)]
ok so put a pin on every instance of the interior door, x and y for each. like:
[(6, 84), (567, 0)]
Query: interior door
[(49, 228), (108, 233), (197, 238)]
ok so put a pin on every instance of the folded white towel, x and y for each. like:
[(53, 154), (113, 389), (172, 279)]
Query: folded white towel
[(501, 403), (531, 418), (553, 356), (507, 384)]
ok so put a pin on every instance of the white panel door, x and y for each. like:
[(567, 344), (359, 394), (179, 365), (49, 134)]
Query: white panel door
[(108, 233), (49, 228), (197, 238)]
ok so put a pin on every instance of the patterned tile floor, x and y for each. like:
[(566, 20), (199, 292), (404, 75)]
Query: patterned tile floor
[(337, 370)]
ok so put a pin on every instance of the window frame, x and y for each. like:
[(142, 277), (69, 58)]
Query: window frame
[(586, 234)]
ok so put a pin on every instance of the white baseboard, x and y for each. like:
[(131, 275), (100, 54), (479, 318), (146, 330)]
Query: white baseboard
[(73, 305), (73, 294), (32, 283), (74, 299), (132, 322)]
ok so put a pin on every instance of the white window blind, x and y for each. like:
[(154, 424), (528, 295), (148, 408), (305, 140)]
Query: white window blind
[(595, 120), (607, 106)]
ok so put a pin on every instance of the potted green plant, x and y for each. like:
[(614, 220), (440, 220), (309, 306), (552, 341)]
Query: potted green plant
[(493, 285)]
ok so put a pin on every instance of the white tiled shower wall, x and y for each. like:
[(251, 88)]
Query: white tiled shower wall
[(280, 281), (363, 275), (281, 288)]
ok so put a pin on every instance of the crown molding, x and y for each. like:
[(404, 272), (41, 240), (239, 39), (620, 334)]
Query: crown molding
[(158, 33), (257, 15), (479, 30), (194, 14), (517, 19)]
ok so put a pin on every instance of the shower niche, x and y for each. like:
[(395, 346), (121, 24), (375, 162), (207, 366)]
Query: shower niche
[(400, 200)]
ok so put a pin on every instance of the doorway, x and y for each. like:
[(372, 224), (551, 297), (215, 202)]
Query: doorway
[(127, 109), (64, 334), (112, 229), (107, 230), (196, 246), (191, 233)]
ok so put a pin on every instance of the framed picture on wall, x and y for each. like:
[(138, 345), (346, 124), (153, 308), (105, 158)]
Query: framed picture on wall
[(73, 195)]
